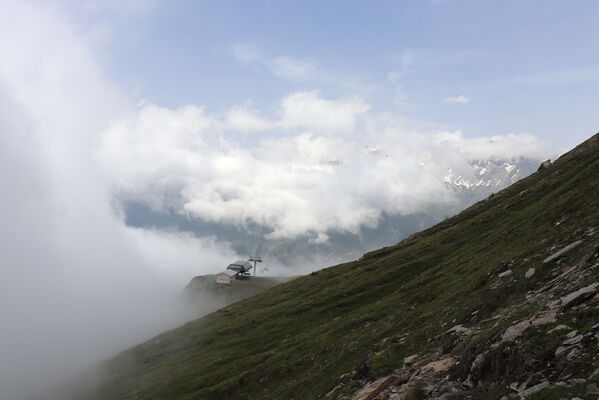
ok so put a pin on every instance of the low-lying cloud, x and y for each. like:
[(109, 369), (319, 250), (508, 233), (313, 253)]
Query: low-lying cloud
[(77, 285), (318, 165)]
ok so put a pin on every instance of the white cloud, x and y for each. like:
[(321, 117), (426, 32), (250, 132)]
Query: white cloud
[(327, 165), (309, 110), (294, 69), (498, 147), (243, 118), (458, 99)]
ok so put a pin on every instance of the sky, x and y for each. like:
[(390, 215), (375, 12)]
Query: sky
[(304, 117), (484, 68)]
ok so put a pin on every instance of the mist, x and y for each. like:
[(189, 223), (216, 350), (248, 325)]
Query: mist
[(77, 285)]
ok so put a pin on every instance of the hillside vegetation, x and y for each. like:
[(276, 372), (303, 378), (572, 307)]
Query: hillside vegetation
[(470, 308)]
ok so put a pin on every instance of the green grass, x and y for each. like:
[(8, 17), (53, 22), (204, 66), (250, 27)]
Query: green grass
[(294, 341)]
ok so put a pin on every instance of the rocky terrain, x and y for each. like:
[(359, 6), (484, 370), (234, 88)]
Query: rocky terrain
[(498, 302)]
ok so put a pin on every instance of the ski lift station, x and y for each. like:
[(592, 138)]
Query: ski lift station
[(238, 270)]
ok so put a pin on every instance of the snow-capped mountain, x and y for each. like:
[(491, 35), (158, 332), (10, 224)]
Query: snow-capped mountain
[(488, 176)]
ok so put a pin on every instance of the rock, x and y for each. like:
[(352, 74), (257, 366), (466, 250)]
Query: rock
[(573, 354), (332, 392), (559, 328), (460, 329), (591, 391), (410, 360), (440, 366), (544, 319), (563, 251), (372, 390), (533, 389), (570, 335), (595, 327), (533, 380), (514, 331), (561, 350), (576, 398), (579, 296), (572, 341), (505, 273), (479, 362), (529, 273)]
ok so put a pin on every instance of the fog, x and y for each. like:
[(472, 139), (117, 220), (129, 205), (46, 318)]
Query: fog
[(76, 284)]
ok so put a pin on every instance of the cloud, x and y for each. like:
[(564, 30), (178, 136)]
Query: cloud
[(242, 118), (458, 99), (294, 69), (309, 110), (407, 58), (326, 165), (77, 284), (498, 147)]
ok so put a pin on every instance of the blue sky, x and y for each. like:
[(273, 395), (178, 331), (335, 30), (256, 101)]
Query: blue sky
[(526, 67)]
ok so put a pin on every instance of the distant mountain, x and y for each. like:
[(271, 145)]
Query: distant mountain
[(488, 176), (476, 183), (499, 301)]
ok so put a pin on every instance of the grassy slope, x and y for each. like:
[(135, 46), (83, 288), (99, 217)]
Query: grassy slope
[(295, 341)]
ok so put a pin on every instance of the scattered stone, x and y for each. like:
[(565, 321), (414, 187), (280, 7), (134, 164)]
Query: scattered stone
[(595, 327), (563, 251), (505, 273), (460, 329), (592, 391), (559, 328), (561, 350), (572, 334), (576, 398), (440, 366), (572, 341), (574, 354), (534, 379), (479, 362), (544, 319), (410, 360), (560, 220), (529, 273), (332, 392), (514, 331), (372, 390), (533, 389), (579, 296)]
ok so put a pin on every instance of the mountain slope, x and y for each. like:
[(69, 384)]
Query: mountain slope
[(342, 327)]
